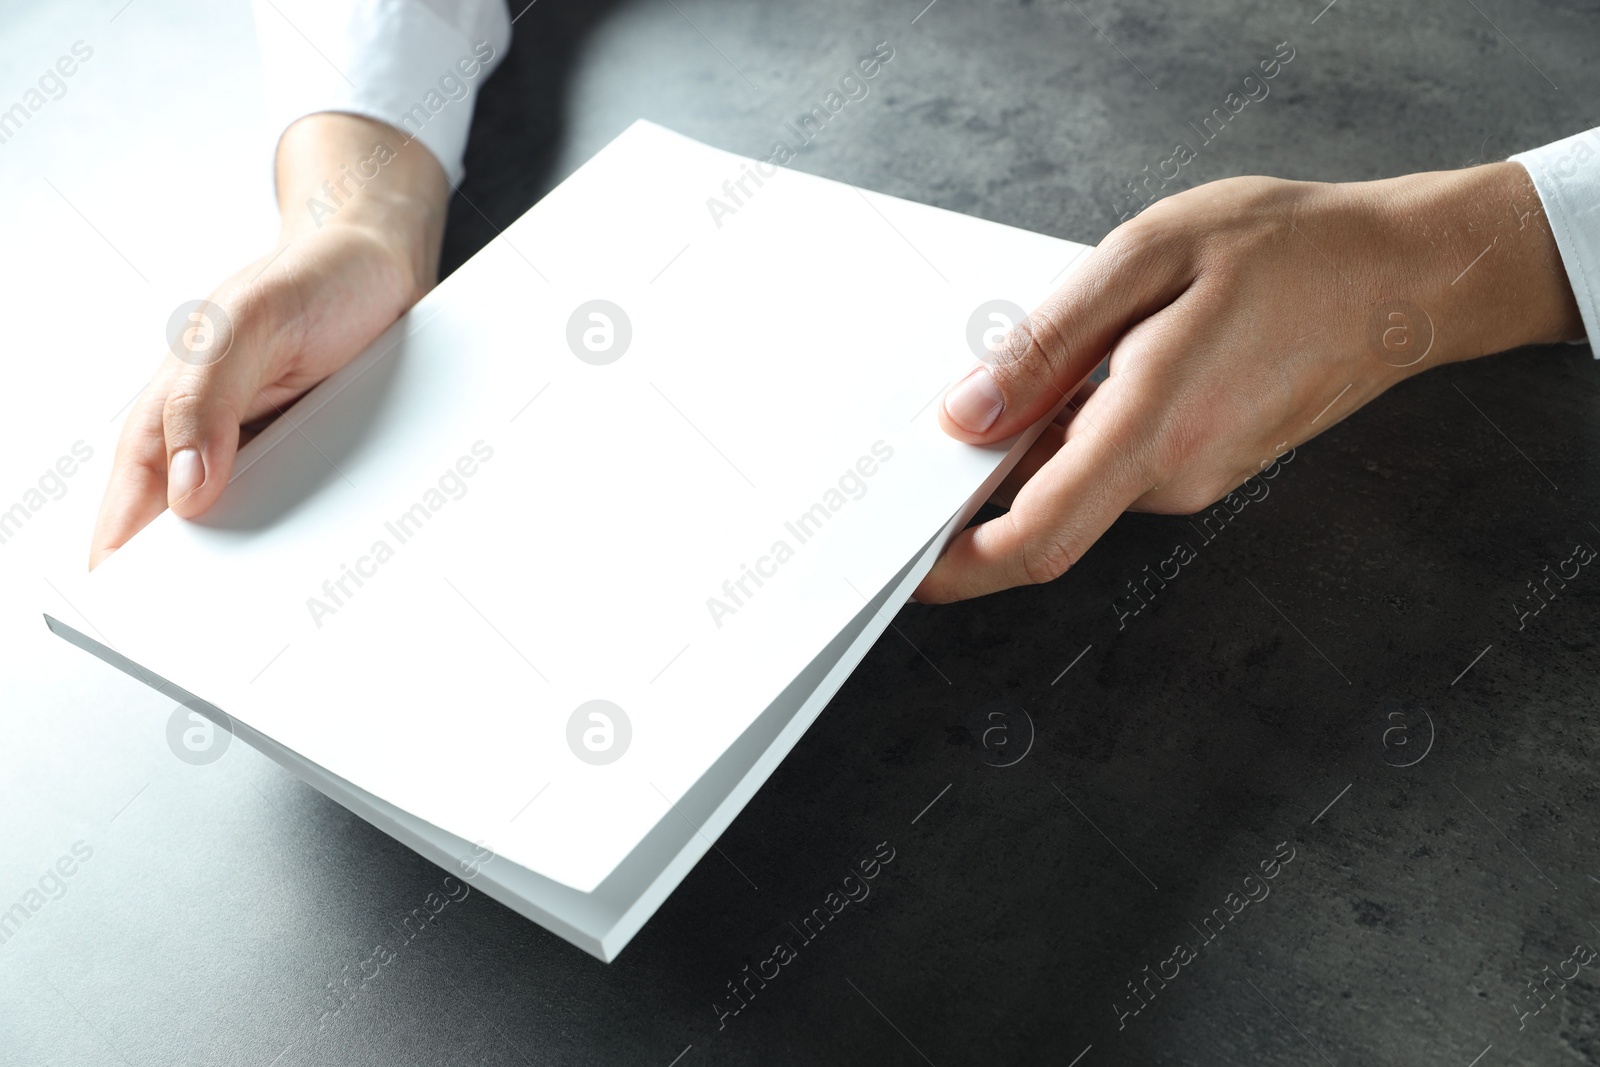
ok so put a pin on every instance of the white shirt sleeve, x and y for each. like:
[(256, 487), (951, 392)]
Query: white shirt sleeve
[(1567, 175), (415, 64)]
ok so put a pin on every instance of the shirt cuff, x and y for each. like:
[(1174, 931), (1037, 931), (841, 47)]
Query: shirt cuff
[(1567, 175), (414, 64)]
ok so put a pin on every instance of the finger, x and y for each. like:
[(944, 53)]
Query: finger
[(178, 445), (205, 406), (1080, 398), (1039, 453), (1057, 515), (137, 489), (1049, 442), (1134, 273)]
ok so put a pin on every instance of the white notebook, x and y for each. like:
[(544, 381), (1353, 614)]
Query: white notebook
[(561, 567)]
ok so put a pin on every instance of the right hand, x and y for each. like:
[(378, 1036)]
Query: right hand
[(1242, 318), (293, 317)]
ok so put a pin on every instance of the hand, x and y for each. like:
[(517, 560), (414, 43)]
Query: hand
[(347, 264), (1241, 318)]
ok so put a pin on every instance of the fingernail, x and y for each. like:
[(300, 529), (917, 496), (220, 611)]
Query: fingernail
[(184, 475), (976, 402)]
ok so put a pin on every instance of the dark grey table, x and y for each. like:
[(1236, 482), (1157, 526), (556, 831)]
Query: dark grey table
[(1266, 705)]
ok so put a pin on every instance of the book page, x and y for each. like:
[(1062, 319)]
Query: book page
[(529, 565)]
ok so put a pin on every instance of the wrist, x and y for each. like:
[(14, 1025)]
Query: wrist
[(352, 174), (1478, 255)]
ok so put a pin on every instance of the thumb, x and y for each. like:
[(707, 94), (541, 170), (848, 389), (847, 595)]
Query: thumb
[(1043, 358), (211, 391)]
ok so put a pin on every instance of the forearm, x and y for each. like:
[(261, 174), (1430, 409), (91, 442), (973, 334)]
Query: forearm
[(1481, 261), (336, 169)]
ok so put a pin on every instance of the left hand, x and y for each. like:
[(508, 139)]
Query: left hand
[(290, 319), (1241, 318)]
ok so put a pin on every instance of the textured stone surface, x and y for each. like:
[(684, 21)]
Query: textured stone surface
[(1170, 760), (1213, 727)]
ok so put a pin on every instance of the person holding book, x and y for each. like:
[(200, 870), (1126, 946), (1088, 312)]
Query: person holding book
[(1240, 318)]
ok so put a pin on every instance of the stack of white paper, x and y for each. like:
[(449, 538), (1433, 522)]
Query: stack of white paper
[(565, 563)]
